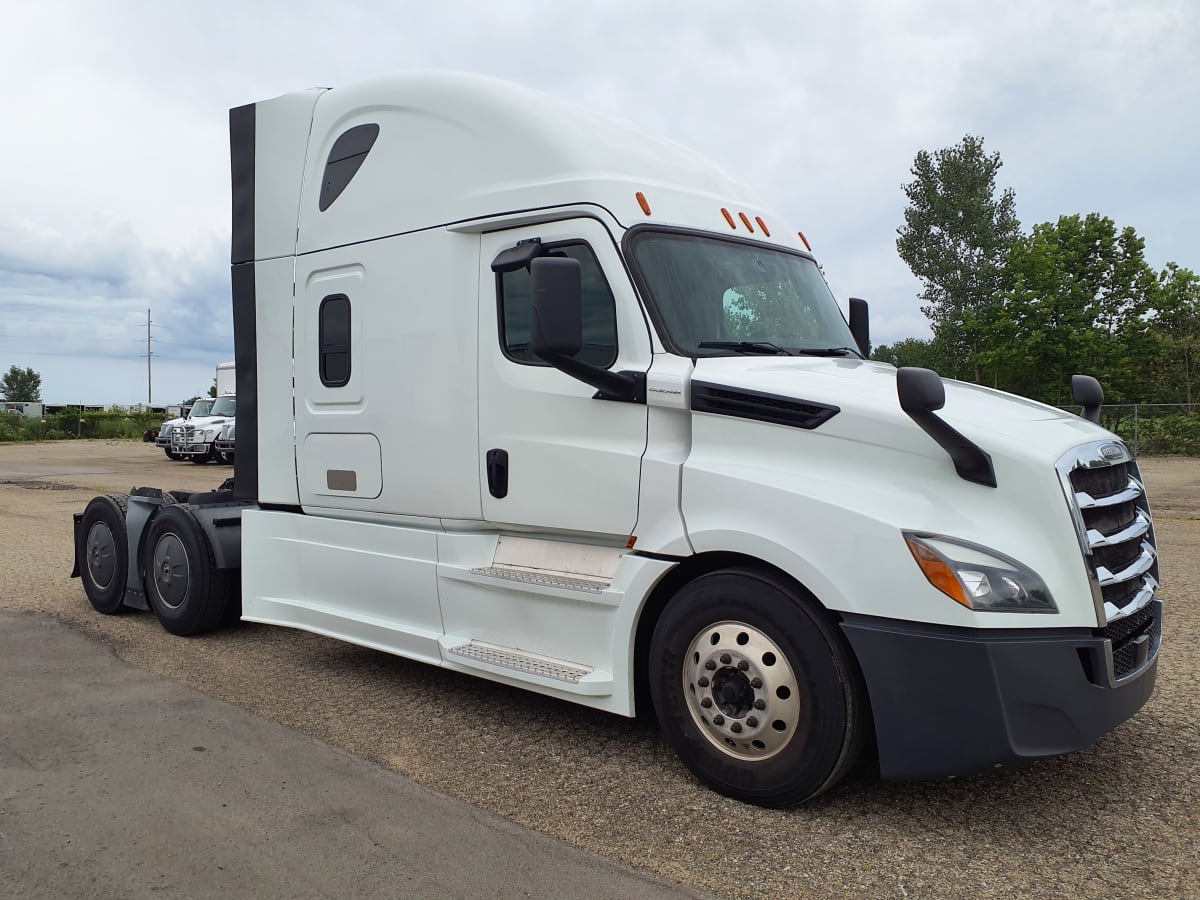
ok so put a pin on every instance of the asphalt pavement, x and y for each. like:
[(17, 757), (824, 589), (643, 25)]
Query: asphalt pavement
[(118, 783)]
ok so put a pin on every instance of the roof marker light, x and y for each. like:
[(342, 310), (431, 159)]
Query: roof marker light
[(729, 218), (807, 245), (746, 221), (642, 202), (762, 225)]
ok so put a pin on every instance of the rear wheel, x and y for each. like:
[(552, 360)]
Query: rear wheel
[(183, 585), (756, 689), (103, 553)]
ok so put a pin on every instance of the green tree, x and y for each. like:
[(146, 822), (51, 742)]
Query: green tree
[(956, 238), (212, 388), (1080, 298), (21, 385), (925, 354), (1175, 326)]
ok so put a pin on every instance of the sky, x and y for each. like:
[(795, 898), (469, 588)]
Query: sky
[(114, 162)]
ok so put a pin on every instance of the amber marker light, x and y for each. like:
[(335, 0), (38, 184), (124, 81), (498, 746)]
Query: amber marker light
[(729, 218), (762, 225), (746, 221), (940, 575), (643, 203), (807, 245)]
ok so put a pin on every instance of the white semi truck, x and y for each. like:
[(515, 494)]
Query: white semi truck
[(531, 396)]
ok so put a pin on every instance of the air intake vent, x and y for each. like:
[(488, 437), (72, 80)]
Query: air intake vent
[(726, 401)]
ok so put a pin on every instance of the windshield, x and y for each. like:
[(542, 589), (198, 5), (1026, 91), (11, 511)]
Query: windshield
[(224, 406), (718, 297), (201, 408)]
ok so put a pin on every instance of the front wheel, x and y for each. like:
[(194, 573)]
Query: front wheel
[(756, 689), (201, 458), (171, 454)]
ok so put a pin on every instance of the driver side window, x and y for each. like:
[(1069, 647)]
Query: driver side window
[(515, 294)]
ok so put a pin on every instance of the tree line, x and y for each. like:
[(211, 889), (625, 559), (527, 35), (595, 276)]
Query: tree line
[(1024, 310)]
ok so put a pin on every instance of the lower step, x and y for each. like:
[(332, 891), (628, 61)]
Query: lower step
[(530, 666)]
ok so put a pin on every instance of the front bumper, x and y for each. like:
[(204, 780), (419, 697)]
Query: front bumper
[(956, 701), (194, 448)]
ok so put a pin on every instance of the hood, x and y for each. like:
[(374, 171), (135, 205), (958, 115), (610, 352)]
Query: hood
[(869, 410)]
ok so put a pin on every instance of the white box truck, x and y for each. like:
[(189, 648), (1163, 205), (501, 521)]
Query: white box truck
[(531, 396)]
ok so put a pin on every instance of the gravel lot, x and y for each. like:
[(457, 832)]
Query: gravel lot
[(1120, 819)]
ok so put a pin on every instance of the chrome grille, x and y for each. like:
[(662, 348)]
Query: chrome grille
[(183, 435), (1115, 530)]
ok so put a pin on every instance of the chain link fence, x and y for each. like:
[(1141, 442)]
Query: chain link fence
[(1154, 429)]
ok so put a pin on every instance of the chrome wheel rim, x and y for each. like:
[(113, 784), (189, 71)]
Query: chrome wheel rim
[(741, 691)]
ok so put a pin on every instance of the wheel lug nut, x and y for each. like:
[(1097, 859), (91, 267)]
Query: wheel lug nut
[(706, 702), (726, 659), (702, 681), (743, 665), (710, 665), (760, 704), (751, 721), (718, 719), (736, 727), (756, 682)]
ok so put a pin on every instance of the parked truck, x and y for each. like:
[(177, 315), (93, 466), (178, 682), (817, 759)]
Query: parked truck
[(196, 438), (531, 396)]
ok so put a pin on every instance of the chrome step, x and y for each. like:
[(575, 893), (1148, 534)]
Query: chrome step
[(521, 661), (543, 578)]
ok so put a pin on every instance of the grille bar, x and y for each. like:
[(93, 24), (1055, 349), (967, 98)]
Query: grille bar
[(1140, 526), (1140, 600), (1143, 564), (1087, 501)]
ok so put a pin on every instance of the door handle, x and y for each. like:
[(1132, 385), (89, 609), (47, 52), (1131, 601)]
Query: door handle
[(497, 473)]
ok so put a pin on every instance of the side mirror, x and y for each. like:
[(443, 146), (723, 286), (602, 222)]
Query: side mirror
[(920, 390), (921, 393), (1088, 394), (860, 325), (556, 320)]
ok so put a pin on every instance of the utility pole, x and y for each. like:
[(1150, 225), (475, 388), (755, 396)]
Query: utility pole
[(149, 381)]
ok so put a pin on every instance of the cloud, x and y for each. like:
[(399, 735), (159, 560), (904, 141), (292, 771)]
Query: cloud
[(115, 172)]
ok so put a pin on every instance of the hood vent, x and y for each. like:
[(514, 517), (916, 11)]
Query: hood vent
[(727, 401)]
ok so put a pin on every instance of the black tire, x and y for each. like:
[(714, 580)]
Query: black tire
[(202, 458), (171, 454), (183, 585), (103, 553), (786, 714)]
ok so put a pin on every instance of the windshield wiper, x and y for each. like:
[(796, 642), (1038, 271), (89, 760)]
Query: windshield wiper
[(828, 351), (746, 347)]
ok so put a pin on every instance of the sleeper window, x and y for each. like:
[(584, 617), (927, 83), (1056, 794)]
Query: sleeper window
[(599, 310), (335, 340)]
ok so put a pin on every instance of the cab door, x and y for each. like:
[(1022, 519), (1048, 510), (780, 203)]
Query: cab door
[(552, 457)]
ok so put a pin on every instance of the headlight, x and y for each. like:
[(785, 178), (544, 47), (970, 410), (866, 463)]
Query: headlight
[(979, 578)]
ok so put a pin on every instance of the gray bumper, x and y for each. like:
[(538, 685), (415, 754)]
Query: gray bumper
[(954, 701)]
